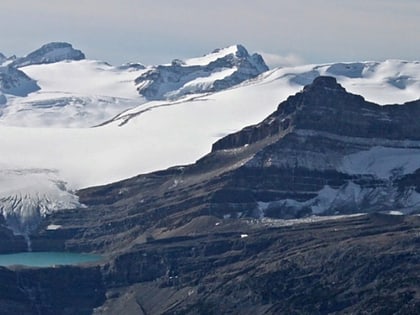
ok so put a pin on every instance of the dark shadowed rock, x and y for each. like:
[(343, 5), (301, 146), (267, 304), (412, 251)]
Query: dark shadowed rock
[(16, 82), (49, 53), (179, 79)]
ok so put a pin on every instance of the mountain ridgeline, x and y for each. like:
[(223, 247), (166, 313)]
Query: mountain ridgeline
[(329, 151)]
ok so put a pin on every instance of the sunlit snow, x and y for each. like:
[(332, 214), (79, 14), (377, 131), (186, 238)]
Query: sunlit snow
[(149, 136)]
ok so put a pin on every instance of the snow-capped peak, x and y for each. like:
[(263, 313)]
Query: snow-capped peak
[(219, 70), (50, 53), (234, 50)]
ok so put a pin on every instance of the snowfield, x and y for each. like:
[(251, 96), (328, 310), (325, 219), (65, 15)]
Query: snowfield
[(134, 136), (74, 94)]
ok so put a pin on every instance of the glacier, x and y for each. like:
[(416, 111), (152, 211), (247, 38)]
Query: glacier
[(85, 120)]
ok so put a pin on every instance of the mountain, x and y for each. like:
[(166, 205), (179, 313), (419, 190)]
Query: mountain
[(211, 236), (254, 190), (87, 93), (324, 151), (49, 53), (221, 69), (328, 152)]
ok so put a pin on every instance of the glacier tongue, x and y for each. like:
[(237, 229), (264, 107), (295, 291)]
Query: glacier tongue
[(28, 195)]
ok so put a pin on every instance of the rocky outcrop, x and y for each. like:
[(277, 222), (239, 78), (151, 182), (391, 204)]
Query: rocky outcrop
[(15, 82), (49, 53), (217, 71)]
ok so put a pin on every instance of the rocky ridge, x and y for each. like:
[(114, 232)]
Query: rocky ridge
[(221, 69), (49, 53)]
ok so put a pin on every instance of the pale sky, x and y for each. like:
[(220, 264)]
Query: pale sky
[(157, 31)]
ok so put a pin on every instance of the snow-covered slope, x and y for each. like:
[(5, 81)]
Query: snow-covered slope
[(73, 94), (152, 135)]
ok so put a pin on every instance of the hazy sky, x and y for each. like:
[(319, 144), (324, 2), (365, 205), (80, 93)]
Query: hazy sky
[(157, 31)]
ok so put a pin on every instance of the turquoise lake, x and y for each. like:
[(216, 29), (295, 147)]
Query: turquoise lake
[(46, 259)]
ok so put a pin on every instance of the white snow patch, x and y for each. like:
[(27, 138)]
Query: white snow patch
[(395, 213), (53, 227), (205, 60), (382, 162)]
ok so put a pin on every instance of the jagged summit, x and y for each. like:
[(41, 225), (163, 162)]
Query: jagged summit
[(221, 69), (50, 53), (234, 52)]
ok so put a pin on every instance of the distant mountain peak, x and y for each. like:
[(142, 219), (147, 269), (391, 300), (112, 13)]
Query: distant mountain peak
[(223, 68), (50, 53)]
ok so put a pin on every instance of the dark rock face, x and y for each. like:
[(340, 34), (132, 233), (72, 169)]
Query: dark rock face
[(15, 82), (50, 291), (49, 53), (10, 243), (316, 161), (174, 81)]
